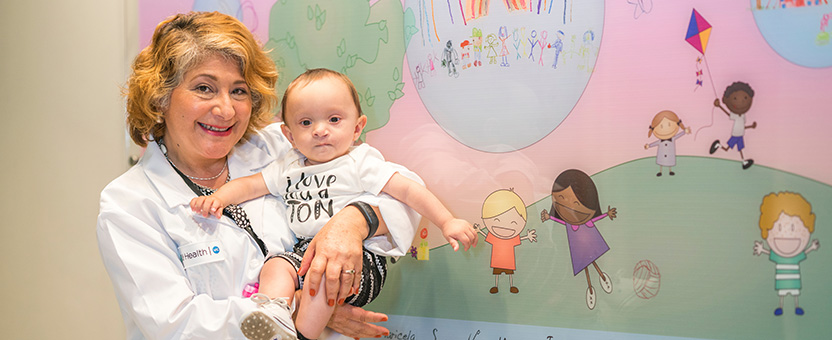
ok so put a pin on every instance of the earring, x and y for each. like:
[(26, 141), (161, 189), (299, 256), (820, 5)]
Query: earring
[(159, 120)]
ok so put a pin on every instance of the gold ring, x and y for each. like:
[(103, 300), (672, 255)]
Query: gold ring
[(349, 271)]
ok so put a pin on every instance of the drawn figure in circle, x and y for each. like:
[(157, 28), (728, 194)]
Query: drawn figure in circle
[(586, 50), (516, 36), (737, 98), (786, 224), (491, 45), (450, 59), (418, 76), (466, 54), (504, 218), (503, 36), (575, 204), (558, 46), (476, 40), (431, 66), (667, 127), (542, 43), (533, 40)]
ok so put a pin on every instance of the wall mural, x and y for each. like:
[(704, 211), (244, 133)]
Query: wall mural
[(635, 169)]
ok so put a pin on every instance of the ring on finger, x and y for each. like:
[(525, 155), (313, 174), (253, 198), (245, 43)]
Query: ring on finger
[(349, 271)]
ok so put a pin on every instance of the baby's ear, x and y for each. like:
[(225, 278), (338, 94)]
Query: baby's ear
[(359, 127), (288, 133)]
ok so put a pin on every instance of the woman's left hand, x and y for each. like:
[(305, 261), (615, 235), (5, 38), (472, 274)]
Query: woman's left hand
[(356, 323), (334, 253)]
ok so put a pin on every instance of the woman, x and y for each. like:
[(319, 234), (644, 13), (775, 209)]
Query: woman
[(200, 99)]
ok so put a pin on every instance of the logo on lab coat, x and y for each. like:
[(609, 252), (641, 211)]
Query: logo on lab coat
[(200, 253)]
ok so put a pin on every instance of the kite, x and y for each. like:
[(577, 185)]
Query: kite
[(699, 32)]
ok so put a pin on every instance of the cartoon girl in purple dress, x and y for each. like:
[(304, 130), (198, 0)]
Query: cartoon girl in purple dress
[(575, 205)]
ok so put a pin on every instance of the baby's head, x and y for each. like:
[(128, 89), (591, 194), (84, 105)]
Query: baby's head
[(322, 115)]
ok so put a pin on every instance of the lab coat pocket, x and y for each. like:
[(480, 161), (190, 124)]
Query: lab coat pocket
[(206, 257), (205, 266)]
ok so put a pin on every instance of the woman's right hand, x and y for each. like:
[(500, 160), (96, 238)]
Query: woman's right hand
[(356, 323)]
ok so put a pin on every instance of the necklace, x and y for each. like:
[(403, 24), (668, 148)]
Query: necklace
[(199, 178), (165, 152)]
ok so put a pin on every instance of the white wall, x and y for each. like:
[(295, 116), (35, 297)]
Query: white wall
[(61, 142)]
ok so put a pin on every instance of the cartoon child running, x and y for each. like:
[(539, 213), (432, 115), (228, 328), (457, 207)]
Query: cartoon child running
[(665, 126), (787, 224), (504, 217), (575, 204), (737, 99)]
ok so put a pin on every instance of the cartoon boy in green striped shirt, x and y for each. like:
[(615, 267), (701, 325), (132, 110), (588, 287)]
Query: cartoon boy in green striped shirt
[(786, 223)]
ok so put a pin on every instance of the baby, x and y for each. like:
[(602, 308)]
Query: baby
[(323, 119)]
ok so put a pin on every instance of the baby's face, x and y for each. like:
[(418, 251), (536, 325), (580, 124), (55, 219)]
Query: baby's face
[(738, 102), (789, 236), (322, 121)]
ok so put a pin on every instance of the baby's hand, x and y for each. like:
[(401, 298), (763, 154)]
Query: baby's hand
[(459, 231), (207, 205)]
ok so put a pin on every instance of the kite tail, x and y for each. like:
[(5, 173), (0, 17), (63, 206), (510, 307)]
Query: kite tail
[(713, 108)]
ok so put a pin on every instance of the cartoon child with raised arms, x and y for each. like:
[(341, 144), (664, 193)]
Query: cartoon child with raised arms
[(737, 98), (322, 119), (504, 217), (786, 224), (575, 204), (667, 127)]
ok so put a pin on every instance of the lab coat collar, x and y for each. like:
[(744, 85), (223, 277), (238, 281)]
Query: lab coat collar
[(245, 159)]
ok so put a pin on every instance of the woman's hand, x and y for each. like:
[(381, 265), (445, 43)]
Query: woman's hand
[(337, 248), (354, 322)]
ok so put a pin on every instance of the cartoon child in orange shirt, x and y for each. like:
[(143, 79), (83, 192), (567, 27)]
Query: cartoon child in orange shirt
[(504, 217)]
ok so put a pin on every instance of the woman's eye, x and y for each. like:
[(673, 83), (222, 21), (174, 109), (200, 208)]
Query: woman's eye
[(203, 89), (240, 93)]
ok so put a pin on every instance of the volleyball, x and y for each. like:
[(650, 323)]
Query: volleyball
[(646, 279)]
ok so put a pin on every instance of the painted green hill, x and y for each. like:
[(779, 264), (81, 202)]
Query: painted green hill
[(698, 227)]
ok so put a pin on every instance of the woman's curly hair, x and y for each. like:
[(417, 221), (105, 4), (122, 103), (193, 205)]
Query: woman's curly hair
[(182, 42)]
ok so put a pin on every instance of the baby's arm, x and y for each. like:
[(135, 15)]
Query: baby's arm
[(234, 192), (424, 202)]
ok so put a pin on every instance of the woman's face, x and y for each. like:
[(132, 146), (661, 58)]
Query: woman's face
[(570, 208), (208, 112)]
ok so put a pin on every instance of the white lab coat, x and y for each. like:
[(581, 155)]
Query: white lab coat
[(178, 275)]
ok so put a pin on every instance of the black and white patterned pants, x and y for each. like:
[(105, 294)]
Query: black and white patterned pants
[(373, 272)]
